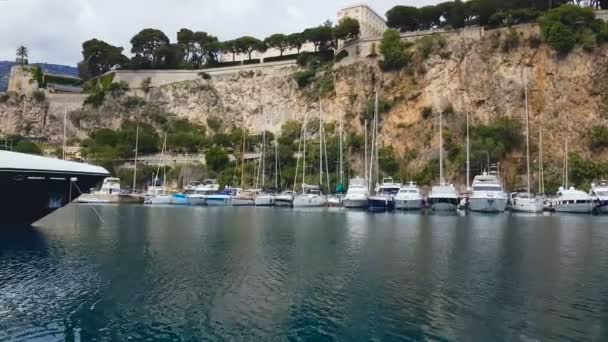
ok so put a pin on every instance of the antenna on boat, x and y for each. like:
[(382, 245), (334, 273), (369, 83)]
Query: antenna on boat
[(135, 160)]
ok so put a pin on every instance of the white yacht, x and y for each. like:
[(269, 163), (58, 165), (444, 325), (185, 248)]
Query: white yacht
[(201, 192), (244, 198), (384, 199), (284, 199), (443, 197), (409, 197), (265, 199), (357, 195), (572, 201), (311, 196), (599, 193), (110, 192), (487, 194), (526, 202)]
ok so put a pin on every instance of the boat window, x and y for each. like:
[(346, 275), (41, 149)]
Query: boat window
[(601, 193)]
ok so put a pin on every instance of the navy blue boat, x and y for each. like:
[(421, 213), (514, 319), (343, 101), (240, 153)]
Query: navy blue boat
[(34, 186), (384, 200)]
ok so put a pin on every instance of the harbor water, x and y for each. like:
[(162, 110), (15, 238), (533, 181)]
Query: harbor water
[(264, 274)]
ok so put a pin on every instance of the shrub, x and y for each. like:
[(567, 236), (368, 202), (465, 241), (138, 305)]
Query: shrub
[(598, 137), (535, 41), (217, 159), (204, 75), (305, 77), (281, 58), (96, 99), (560, 38), (29, 147), (394, 52), (511, 41), (343, 54), (565, 26), (39, 96), (252, 61), (588, 40), (426, 112), (430, 44)]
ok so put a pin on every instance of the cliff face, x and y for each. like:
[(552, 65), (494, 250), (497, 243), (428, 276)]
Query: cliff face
[(485, 78)]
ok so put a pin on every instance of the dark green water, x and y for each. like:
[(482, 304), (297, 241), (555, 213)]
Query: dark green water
[(191, 274)]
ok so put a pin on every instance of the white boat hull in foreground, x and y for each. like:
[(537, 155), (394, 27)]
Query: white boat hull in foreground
[(309, 201), (488, 205), (528, 205), (574, 208), (355, 203), (264, 201), (409, 204)]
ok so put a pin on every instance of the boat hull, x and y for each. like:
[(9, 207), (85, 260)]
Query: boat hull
[(355, 203), (242, 202), (487, 205), (197, 200), (444, 204), (29, 196), (284, 202), (380, 204), (309, 201), (527, 205), (601, 207), (574, 208), (409, 204), (218, 201), (264, 201)]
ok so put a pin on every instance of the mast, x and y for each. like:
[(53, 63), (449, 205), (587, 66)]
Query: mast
[(566, 176), (376, 138), (263, 158), (373, 144), (527, 139), (164, 164), (541, 179), (320, 144), (468, 156), (304, 156), (243, 161), (276, 164), (440, 148), (341, 156), (65, 128), (365, 161), (135, 162)]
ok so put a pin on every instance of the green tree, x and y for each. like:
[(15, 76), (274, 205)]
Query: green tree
[(278, 41), (100, 57), (217, 159), (146, 45), (206, 48), (185, 40), (321, 37), (296, 40), (249, 44), (403, 18), (347, 29), (29, 147), (567, 25), (393, 50), (22, 54)]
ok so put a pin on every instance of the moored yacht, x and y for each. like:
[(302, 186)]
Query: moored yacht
[(110, 192), (384, 199), (599, 194), (357, 195), (443, 197), (201, 192), (409, 198), (221, 198), (244, 198), (311, 196), (265, 199), (487, 194), (572, 201), (284, 199), (34, 186), (526, 202)]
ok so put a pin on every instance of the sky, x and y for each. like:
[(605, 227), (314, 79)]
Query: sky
[(54, 30)]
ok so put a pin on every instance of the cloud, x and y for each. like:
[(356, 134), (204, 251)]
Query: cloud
[(54, 30)]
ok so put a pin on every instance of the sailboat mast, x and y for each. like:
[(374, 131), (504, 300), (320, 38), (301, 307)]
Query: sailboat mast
[(365, 159), (276, 164), (440, 148), (341, 162), (135, 161), (320, 143), (164, 164), (304, 156), (567, 178), (468, 156), (243, 161), (527, 138), (264, 158), (541, 180), (376, 138)]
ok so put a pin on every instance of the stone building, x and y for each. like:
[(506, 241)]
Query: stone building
[(371, 23)]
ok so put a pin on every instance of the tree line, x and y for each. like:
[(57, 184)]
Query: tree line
[(458, 13), (152, 48)]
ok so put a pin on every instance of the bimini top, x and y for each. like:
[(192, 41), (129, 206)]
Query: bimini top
[(13, 161)]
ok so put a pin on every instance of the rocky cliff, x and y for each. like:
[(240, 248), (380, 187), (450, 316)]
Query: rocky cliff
[(485, 78)]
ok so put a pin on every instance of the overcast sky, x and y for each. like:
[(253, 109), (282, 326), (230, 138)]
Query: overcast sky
[(54, 30)]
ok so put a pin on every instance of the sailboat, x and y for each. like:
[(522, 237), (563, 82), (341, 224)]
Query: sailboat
[(157, 194), (527, 202), (244, 197), (312, 195), (443, 197), (336, 200), (264, 198), (384, 197), (569, 199)]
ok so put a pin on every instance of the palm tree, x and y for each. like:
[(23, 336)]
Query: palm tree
[(22, 54)]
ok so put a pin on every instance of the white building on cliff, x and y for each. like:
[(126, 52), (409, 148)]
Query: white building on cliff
[(371, 23)]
